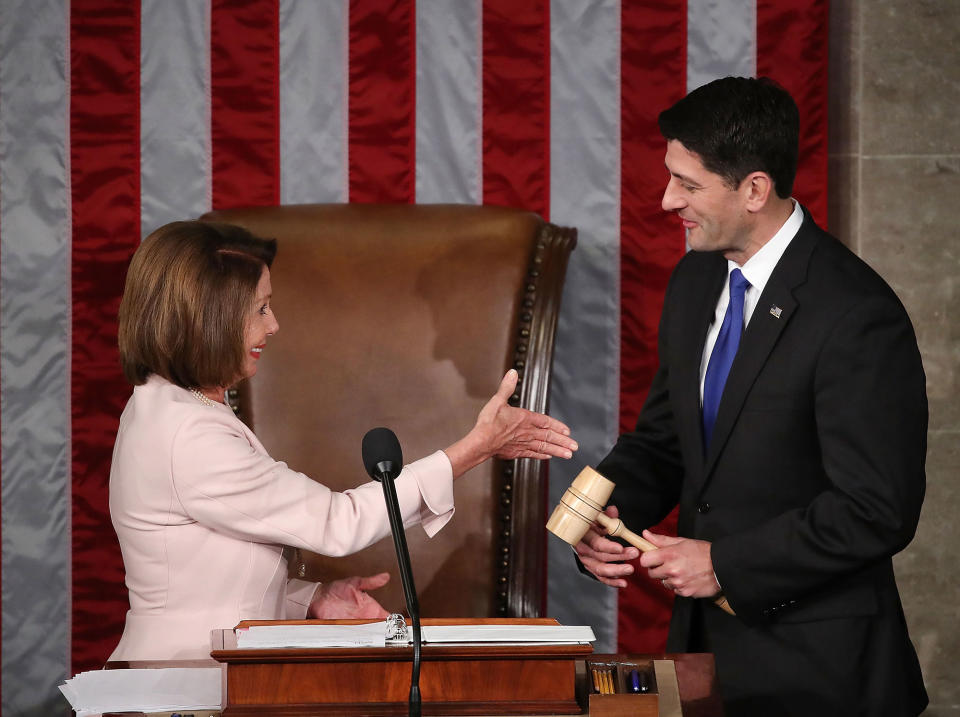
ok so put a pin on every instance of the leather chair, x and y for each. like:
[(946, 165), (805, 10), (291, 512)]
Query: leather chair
[(407, 316)]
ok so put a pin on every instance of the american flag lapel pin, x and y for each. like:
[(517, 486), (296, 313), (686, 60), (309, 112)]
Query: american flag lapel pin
[(775, 311)]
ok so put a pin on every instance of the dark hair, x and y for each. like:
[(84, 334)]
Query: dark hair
[(188, 291), (739, 125)]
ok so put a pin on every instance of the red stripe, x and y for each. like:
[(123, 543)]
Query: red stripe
[(516, 104), (105, 182), (382, 97), (245, 102), (653, 77), (792, 49)]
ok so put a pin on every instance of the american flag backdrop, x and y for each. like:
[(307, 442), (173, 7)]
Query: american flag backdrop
[(117, 116)]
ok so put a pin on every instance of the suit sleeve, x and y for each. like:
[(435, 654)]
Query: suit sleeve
[(870, 411), (646, 463), (224, 483)]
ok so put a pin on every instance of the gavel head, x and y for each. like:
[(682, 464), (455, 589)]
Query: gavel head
[(579, 506)]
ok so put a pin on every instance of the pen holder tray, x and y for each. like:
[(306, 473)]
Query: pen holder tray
[(611, 691)]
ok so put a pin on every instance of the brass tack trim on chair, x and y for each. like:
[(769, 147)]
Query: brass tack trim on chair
[(503, 569), (521, 573), (528, 303)]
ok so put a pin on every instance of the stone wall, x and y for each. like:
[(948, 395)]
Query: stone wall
[(895, 199)]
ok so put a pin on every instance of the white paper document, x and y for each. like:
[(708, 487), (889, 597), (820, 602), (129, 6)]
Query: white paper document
[(159, 690), (556, 634), (373, 634)]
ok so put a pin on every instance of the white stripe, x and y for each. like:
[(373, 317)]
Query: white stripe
[(313, 101), (175, 172), (721, 40), (448, 101), (34, 354), (585, 193)]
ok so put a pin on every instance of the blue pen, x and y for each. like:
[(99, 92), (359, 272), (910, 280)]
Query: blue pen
[(639, 681)]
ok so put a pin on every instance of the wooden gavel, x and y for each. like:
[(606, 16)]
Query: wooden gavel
[(581, 506)]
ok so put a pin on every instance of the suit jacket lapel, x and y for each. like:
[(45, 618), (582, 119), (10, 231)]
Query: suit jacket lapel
[(770, 317), (687, 380)]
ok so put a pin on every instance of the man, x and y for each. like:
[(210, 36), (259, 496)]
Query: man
[(790, 429)]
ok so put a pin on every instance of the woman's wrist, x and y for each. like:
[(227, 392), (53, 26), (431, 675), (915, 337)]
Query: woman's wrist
[(466, 453)]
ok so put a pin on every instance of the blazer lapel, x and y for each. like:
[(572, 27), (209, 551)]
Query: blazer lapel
[(689, 353), (770, 317)]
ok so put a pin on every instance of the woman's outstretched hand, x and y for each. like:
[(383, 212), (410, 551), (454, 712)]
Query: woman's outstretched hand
[(508, 432)]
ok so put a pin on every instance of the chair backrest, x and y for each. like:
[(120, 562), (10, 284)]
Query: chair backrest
[(407, 316)]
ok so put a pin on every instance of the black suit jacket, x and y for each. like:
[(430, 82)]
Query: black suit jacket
[(813, 480)]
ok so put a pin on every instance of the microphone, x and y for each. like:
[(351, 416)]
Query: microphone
[(383, 461), (381, 454)]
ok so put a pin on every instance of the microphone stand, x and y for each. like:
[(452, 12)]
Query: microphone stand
[(406, 578)]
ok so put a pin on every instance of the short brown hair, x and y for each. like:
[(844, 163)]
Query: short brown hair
[(187, 294)]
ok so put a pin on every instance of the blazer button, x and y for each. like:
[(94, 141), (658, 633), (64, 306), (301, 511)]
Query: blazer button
[(703, 508)]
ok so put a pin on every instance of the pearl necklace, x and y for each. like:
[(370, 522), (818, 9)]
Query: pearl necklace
[(203, 399)]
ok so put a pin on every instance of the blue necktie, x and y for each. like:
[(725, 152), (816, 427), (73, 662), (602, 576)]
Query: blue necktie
[(728, 340)]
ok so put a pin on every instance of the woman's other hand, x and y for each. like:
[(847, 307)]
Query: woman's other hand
[(348, 599), (508, 432)]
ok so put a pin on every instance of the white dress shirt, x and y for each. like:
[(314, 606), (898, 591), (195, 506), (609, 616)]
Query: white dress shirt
[(757, 271)]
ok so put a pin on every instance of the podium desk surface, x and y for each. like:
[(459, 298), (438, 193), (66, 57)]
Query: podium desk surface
[(696, 679)]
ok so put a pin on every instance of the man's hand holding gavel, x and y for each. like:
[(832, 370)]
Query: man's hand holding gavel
[(680, 564), (604, 557)]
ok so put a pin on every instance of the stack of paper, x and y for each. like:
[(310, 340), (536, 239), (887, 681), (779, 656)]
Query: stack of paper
[(550, 634), (189, 689), (373, 635)]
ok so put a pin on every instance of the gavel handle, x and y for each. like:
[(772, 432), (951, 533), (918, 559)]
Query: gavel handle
[(616, 528)]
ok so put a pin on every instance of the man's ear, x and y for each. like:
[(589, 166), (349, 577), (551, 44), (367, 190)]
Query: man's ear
[(757, 187)]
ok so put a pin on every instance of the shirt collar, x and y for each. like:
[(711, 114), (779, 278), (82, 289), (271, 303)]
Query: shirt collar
[(760, 266)]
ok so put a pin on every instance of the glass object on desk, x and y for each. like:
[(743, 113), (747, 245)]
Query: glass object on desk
[(397, 631)]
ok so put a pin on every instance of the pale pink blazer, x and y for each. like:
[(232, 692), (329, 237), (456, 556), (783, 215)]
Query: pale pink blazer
[(202, 514)]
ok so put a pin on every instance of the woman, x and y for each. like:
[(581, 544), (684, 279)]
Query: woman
[(201, 511)]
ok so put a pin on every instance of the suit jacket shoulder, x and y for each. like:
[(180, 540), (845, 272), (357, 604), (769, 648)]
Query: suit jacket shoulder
[(828, 267)]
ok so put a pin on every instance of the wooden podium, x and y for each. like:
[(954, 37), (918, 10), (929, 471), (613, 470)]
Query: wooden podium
[(455, 679), (695, 676)]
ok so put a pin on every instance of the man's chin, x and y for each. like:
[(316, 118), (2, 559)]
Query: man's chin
[(695, 241)]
